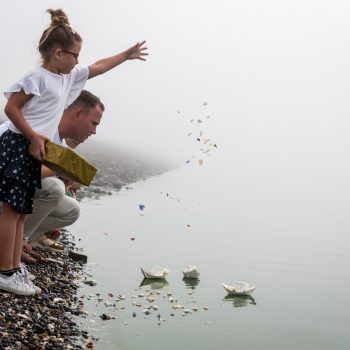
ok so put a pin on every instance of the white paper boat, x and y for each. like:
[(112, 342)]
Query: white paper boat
[(156, 272), (239, 288), (190, 272)]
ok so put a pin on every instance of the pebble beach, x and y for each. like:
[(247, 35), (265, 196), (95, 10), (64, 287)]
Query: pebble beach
[(47, 320)]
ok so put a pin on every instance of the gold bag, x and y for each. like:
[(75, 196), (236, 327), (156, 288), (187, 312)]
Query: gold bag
[(68, 164)]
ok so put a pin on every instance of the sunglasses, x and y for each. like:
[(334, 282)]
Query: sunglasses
[(75, 55)]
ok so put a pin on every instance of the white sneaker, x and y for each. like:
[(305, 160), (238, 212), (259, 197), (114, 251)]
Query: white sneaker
[(24, 275), (15, 284), (26, 272)]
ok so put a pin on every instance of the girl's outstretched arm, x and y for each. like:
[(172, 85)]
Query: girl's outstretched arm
[(135, 52), (13, 110)]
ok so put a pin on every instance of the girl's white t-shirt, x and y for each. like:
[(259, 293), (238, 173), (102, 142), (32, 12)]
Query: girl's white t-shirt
[(52, 93)]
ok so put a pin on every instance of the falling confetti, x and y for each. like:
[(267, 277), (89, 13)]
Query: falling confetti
[(141, 207)]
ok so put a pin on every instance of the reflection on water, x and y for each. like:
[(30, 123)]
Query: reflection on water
[(154, 283), (191, 283), (240, 300)]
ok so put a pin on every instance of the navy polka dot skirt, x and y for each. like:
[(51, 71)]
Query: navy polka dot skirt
[(20, 173)]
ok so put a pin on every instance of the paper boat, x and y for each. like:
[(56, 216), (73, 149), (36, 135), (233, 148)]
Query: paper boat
[(239, 288), (156, 272), (190, 272)]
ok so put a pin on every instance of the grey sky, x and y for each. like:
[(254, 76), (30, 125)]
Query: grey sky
[(275, 73)]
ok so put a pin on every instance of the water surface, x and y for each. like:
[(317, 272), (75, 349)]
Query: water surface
[(286, 233)]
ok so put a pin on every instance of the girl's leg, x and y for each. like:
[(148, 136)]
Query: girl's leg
[(18, 242), (8, 227)]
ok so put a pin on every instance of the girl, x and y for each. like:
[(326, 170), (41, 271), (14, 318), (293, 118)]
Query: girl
[(35, 105)]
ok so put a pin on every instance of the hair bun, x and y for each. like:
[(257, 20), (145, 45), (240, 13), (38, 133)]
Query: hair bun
[(58, 17)]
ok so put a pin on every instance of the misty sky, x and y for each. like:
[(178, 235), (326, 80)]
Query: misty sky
[(275, 73)]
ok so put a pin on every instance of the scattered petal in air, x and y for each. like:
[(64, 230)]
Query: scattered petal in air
[(201, 133), (141, 207), (178, 112), (178, 200), (191, 121), (199, 121), (188, 225), (105, 233), (206, 151), (215, 145), (205, 103), (189, 134), (200, 162), (187, 161), (208, 116), (110, 294), (132, 238), (198, 139), (206, 141)]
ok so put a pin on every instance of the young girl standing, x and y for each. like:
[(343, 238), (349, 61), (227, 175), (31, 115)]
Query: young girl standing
[(35, 105)]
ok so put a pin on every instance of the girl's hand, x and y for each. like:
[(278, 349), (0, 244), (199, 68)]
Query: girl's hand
[(136, 52), (38, 146)]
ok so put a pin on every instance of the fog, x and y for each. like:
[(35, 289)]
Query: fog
[(274, 73)]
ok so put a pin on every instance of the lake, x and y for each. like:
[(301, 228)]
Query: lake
[(285, 231)]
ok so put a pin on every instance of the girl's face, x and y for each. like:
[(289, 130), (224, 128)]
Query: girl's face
[(69, 58)]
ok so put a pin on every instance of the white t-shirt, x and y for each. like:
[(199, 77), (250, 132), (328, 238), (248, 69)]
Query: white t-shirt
[(52, 93), (4, 127), (55, 138)]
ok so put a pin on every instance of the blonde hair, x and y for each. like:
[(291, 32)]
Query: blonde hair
[(58, 33)]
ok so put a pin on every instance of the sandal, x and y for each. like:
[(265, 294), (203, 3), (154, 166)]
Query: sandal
[(53, 235), (49, 245)]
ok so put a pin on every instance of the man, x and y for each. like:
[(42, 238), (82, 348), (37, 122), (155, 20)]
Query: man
[(53, 209)]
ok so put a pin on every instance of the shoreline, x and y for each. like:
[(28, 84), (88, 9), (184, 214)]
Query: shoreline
[(48, 320)]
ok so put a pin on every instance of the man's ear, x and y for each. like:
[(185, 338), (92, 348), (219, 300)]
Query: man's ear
[(77, 113)]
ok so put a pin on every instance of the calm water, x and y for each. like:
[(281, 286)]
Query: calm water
[(285, 231)]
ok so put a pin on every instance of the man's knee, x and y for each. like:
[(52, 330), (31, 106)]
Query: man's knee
[(68, 209), (51, 189), (75, 211)]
